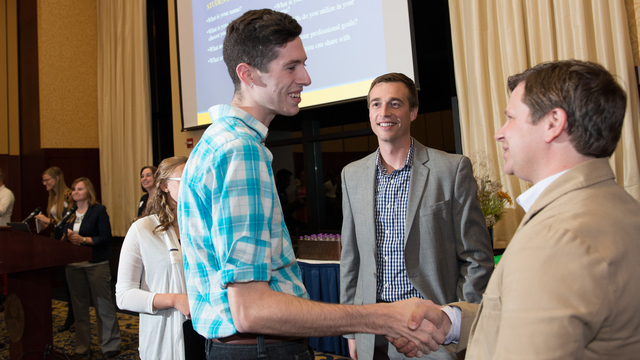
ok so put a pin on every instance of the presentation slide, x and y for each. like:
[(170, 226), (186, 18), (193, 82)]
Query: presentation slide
[(347, 45)]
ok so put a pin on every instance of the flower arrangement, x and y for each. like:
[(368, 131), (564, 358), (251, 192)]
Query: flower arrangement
[(492, 199)]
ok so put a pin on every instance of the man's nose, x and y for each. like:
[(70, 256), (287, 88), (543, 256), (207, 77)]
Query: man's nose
[(305, 79), (499, 136)]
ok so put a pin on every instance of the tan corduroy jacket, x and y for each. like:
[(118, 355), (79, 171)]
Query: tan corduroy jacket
[(567, 286)]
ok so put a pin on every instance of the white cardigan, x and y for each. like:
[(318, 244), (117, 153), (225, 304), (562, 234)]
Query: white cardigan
[(149, 264)]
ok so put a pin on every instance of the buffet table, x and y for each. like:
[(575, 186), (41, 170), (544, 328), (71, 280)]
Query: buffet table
[(322, 280)]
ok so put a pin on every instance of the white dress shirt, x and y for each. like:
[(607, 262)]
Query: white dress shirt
[(6, 205), (525, 200)]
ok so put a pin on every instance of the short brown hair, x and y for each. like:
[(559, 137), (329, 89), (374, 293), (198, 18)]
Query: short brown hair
[(594, 102), (255, 38), (401, 78)]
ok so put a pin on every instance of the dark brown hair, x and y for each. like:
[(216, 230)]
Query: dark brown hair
[(255, 38), (401, 78), (594, 102), (153, 173)]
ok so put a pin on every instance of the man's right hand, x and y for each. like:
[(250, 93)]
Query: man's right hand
[(426, 317), (427, 335)]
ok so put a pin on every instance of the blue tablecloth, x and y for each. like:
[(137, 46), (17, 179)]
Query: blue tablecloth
[(322, 281)]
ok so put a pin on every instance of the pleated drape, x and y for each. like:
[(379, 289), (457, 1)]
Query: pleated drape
[(124, 108)]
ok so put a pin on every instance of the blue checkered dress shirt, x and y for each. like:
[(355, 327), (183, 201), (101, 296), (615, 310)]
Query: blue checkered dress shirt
[(392, 197), (231, 222)]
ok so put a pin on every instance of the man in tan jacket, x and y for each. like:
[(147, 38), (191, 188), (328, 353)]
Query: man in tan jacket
[(567, 286)]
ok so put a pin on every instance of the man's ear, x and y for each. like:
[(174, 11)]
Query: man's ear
[(414, 113), (245, 73), (555, 124)]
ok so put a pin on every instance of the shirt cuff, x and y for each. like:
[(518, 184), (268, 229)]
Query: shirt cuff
[(247, 273), (455, 315)]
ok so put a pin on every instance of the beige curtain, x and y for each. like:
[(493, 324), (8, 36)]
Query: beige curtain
[(633, 15), (124, 109), (493, 39)]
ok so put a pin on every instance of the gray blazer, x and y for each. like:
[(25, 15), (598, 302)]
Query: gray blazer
[(448, 252)]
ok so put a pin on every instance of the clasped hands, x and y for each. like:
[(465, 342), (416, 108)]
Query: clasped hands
[(426, 329), (74, 238)]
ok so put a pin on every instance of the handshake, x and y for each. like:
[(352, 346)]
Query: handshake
[(426, 328)]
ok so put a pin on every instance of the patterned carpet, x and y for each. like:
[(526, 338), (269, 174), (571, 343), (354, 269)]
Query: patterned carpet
[(65, 342)]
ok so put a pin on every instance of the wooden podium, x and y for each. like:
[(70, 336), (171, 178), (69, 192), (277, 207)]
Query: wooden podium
[(28, 259)]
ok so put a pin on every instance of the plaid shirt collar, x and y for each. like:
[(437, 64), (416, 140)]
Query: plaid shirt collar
[(260, 130), (407, 162)]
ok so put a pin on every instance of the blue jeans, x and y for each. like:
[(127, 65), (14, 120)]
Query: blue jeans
[(286, 350)]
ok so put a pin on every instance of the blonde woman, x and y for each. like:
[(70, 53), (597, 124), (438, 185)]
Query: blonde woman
[(59, 198), (151, 275), (91, 280), (59, 201)]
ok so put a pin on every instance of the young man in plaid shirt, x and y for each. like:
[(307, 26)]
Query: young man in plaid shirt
[(243, 281)]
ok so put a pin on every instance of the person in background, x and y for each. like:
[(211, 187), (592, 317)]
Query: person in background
[(283, 180), (332, 201), (151, 274), (302, 215), (6, 202), (59, 199), (567, 285), (412, 222), (148, 185), (90, 281), (59, 202), (6, 208)]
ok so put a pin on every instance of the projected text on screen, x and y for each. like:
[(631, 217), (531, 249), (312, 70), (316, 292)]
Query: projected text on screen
[(345, 42)]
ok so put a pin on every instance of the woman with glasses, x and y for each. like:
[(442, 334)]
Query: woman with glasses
[(90, 281), (59, 201), (59, 198), (151, 275)]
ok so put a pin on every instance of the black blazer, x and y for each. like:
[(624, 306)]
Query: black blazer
[(143, 204), (96, 226)]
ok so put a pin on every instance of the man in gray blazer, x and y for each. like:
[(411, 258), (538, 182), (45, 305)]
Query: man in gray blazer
[(412, 223)]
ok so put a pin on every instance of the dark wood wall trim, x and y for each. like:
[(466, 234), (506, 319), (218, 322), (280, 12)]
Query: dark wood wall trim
[(74, 163), (28, 71), (31, 157), (33, 160)]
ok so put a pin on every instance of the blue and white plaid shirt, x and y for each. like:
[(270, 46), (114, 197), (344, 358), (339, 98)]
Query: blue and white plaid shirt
[(231, 222), (392, 198)]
